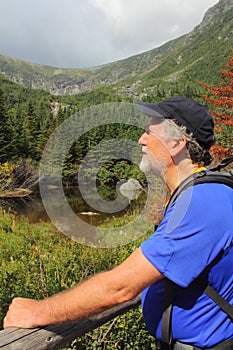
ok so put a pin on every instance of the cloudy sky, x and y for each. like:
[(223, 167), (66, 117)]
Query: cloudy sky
[(86, 33)]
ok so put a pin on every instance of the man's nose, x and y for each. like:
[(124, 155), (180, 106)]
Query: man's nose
[(143, 139)]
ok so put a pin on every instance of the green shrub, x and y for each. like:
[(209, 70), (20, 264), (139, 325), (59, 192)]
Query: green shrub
[(37, 261)]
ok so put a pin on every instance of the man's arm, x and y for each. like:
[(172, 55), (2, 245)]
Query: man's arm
[(96, 294)]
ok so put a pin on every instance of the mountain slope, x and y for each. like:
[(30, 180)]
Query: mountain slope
[(199, 54)]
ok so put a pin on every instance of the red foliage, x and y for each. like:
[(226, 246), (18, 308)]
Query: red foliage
[(221, 99), (220, 152)]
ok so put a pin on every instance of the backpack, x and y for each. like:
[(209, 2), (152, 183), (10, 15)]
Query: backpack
[(215, 175)]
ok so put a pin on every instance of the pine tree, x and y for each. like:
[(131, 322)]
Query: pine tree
[(5, 131), (31, 131)]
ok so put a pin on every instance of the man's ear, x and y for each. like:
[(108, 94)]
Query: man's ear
[(177, 146)]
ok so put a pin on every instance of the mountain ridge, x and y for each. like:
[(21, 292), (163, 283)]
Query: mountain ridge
[(181, 59)]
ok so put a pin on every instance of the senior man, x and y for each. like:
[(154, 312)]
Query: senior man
[(187, 243)]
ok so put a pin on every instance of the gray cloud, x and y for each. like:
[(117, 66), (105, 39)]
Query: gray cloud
[(82, 33)]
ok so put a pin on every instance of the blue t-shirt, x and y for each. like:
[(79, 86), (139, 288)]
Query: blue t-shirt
[(195, 229)]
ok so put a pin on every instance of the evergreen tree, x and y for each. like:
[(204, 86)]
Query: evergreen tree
[(18, 140), (5, 131), (32, 131)]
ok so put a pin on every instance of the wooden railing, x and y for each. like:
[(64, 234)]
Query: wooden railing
[(57, 336)]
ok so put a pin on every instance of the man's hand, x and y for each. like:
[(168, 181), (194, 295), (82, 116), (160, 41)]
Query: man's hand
[(24, 313)]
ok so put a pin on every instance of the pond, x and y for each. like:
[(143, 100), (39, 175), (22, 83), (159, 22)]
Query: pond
[(104, 219), (32, 207)]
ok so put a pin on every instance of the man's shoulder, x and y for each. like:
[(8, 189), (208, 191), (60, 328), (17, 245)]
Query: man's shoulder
[(207, 202)]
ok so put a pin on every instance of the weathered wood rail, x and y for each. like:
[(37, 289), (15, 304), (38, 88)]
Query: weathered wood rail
[(57, 336)]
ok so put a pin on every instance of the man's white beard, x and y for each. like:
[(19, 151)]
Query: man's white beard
[(157, 168), (145, 165)]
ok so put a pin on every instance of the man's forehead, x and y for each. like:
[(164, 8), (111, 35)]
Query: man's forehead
[(154, 121), (157, 129)]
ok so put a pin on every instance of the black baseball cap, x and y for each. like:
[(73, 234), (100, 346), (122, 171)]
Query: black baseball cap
[(184, 111)]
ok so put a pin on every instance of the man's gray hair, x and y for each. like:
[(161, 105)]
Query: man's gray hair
[(196, 152)]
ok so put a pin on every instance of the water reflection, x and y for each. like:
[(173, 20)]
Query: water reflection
[(32, 207)]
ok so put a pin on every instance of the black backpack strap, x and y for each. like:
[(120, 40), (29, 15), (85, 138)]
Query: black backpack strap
[(218, 299), (207, 289), (211, 292), (167, 313), (224, 163)]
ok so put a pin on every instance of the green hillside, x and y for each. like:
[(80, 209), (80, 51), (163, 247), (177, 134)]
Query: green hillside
[(199, 54), (31, 109)]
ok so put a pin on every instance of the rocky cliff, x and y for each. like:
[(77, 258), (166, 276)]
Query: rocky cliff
[(206, 46)]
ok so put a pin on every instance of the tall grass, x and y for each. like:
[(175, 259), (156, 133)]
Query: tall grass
[(38, 261)]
